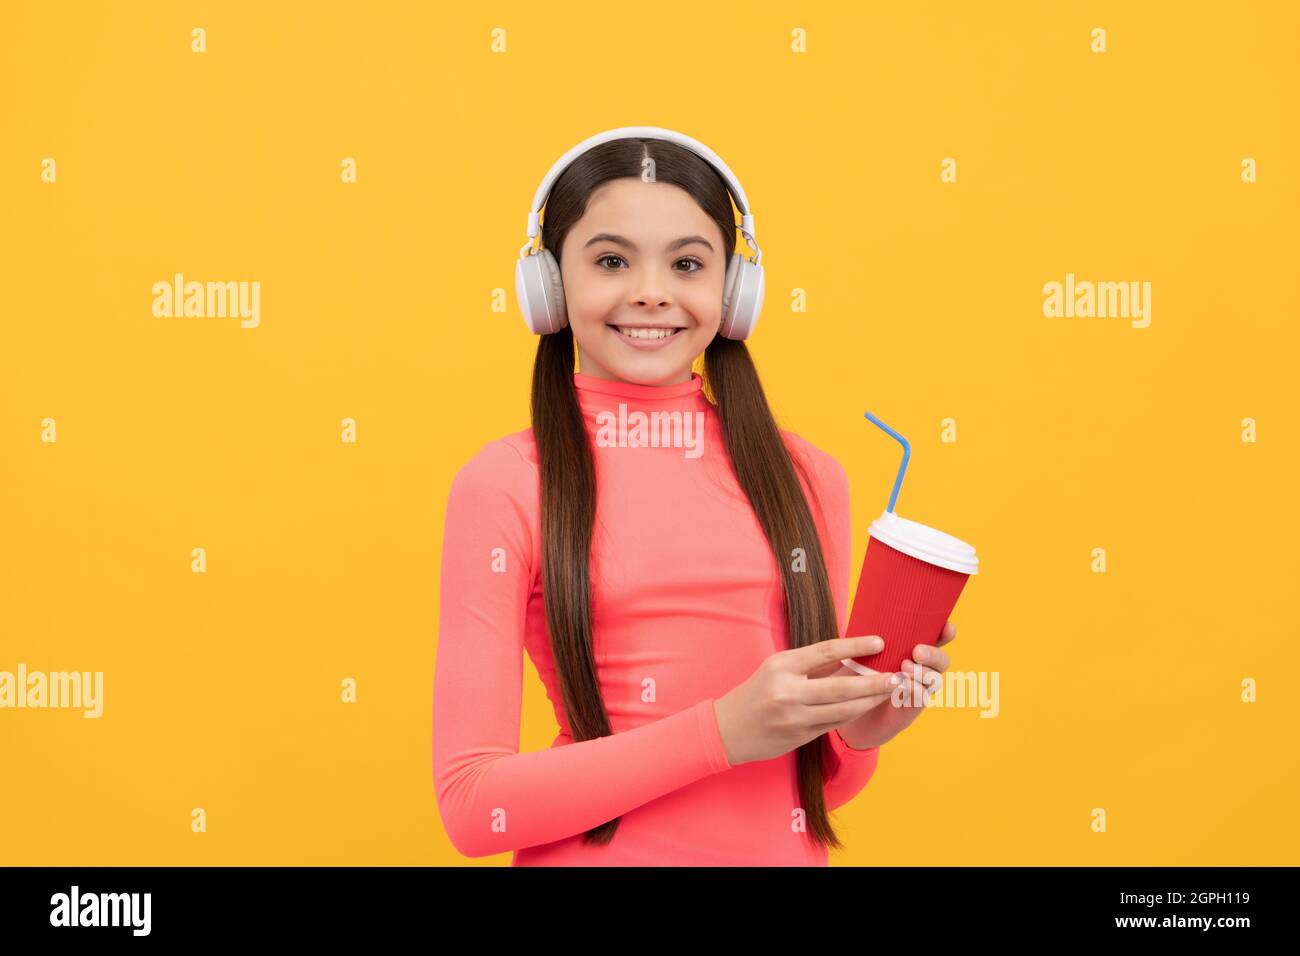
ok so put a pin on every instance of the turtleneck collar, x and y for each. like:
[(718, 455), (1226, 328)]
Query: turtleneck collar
[(659, 420), (590, 386)]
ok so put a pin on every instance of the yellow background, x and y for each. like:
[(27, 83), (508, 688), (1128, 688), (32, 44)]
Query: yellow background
[(1119, 691)]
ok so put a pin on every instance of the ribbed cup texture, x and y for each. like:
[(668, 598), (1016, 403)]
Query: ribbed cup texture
[(905, 600)]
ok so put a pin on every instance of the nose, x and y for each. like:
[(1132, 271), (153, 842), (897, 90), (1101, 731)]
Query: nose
[(652, 302), (650, 295), (649, 287)]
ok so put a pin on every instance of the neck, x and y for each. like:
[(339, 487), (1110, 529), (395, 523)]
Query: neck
[(605, 389)]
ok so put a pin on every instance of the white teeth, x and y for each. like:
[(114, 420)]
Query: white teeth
[(648, 333)]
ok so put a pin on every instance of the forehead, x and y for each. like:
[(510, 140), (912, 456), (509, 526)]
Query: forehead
[(636, 207)]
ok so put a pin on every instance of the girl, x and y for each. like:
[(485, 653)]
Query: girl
[(676, 565)]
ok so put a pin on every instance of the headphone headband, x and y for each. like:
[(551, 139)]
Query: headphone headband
[(647, 132)]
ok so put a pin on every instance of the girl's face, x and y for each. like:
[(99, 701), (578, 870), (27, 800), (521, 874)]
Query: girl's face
[(643, 256)]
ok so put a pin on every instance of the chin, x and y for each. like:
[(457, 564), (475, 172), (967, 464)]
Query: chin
[(673, 362)]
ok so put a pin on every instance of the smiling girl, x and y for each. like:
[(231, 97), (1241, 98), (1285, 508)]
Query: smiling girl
[(683, 612)]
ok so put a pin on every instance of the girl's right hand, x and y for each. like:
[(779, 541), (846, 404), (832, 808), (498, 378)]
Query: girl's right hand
[(780, 708)]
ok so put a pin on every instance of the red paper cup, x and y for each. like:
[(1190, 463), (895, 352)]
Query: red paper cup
[(911, 579)]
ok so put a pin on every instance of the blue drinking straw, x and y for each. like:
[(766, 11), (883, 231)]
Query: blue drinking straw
[(907, 453)]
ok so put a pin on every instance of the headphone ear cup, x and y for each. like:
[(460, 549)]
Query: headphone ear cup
[(742, 298), (540, 291), (729, 296)]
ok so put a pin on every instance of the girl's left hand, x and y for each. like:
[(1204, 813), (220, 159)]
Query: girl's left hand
[(884, 721)]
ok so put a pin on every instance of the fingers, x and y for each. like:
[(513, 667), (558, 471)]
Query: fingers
[(832, 690), (930, 677), (919, 688), (823, 658), (814, 657), (825, 671), (829, 716), (929, 654), (927, 677), (835, 667)]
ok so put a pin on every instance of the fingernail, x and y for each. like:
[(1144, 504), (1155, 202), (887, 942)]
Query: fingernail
[(895, 680)]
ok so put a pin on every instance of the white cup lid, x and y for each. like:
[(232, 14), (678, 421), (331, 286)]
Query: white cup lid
[(925, 543)]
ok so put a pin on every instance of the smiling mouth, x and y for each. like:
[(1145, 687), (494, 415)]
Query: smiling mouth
[(653, 333)]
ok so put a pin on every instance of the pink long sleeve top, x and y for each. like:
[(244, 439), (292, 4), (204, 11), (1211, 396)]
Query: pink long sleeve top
[(686, 603)]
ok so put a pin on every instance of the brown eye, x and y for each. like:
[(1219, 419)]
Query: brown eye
[(694, 260), (608, 255)]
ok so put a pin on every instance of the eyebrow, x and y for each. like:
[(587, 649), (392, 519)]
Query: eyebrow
[(629, 244)]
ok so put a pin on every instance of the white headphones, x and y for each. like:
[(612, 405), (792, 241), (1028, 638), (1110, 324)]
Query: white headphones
[(537, 275)]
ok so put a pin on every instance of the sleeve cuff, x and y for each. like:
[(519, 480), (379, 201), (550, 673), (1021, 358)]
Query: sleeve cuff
[(712, 736)]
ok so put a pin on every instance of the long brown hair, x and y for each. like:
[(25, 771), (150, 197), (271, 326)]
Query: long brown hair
[(759, 456)]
